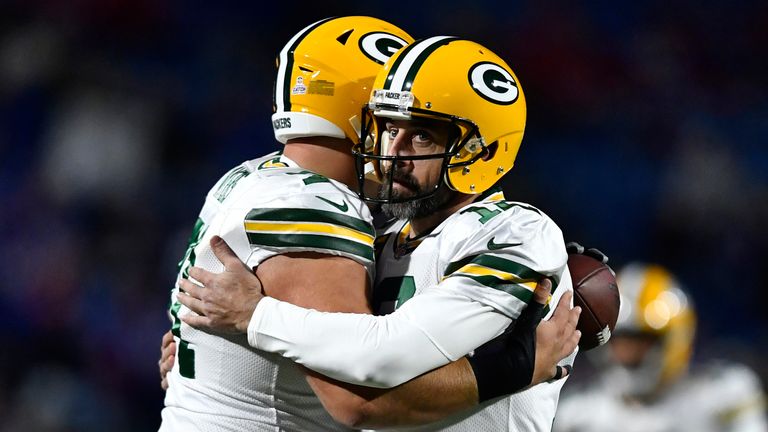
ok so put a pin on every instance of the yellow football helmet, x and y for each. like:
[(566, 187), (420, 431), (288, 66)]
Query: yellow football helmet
[(653, 304), (459, 81), (325, 73)]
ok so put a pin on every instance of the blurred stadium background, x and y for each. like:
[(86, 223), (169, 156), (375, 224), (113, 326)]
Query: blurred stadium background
[(647, 137)]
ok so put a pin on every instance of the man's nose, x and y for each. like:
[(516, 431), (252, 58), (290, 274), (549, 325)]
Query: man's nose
[(396, 145), (401, 146)]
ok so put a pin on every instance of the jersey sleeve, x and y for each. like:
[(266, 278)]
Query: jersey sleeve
[(500, 252), (377, 351), (318, 218), (740, 405)]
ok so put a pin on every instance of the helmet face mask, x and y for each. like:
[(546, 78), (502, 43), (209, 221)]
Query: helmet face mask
[(325, 73), (382, 162), (456, 81)]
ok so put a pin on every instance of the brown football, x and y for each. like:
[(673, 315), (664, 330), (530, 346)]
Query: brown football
[(595, 290)]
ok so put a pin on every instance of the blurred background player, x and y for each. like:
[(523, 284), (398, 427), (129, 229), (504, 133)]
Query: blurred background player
[(647, 385)]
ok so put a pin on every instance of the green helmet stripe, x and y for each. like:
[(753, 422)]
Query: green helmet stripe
[(282, 91), (410, 61), (396, 65), (420, 61)]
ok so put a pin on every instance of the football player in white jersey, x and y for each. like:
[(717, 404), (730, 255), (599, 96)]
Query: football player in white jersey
[(293, 215), (458, 263), (647, 385)]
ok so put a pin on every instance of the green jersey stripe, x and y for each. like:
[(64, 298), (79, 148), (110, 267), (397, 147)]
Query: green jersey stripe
[(312, 241), (525, 273), (521, 293), (309, 216)]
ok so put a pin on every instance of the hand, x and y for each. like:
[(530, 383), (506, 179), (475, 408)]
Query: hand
[(226, 301), (528, 352), (576, 248), (167, 358), (556, 338)]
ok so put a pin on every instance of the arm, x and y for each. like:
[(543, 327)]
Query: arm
[(411, 403), (167, 358), (284, 276), (353, 347), (358, 406), (379, 351), (503, 366), (481, 291)]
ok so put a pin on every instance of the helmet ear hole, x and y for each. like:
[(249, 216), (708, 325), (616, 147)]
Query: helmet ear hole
[(490, 151), (344, 36)]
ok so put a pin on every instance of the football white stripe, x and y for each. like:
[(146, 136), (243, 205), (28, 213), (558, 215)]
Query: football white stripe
[(405, 65), (281, 70)]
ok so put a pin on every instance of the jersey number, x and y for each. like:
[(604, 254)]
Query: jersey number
[(486, 215), (312, 178), (395, 290), (186, 355)]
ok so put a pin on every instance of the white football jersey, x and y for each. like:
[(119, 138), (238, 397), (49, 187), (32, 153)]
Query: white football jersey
[(493, 251), (263, 207), (716, 398)]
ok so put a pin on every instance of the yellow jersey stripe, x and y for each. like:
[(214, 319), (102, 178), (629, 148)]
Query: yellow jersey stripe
[(478, 270), (305, 228)]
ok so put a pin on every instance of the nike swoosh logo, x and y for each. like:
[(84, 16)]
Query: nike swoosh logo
[(343, 206), (495, 246)]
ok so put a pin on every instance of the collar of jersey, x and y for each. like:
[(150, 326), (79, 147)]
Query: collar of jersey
[(494, 193), (288, 161), (402, 240)]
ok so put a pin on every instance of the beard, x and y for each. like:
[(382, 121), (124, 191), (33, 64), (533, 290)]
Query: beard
[(418, 207)]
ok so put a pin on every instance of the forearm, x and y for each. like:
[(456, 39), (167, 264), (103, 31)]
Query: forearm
[(355, 348), (410, 404), (425, 399), (427, 332)]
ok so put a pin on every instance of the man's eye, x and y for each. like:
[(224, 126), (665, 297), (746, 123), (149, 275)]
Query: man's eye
[(422, 136), (392, 132)]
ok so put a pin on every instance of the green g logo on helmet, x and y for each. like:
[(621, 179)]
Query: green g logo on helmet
[(380, 46), (493, 83)]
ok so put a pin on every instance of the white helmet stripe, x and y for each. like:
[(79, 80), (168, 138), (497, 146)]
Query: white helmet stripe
[(282, 98), (398, 80)]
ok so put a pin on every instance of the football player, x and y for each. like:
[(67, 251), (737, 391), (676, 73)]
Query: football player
[(647, 386), (293, 215), (287, 210), (456, 262)]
